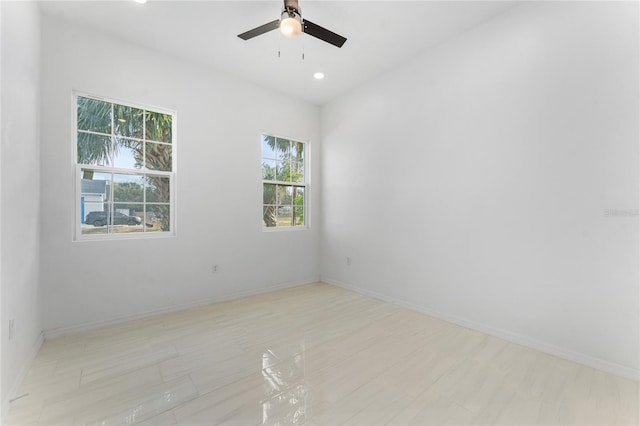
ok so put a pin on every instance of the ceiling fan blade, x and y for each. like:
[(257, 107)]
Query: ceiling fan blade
[(260, 30), (323, 34)]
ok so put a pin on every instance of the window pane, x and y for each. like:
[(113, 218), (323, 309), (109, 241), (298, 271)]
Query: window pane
[(298, 199), (128, 121), (95, 184), (299, 215), (158, 127), (94, 115), (96, 217), (92, 208), (285, 215), (269, 217), (285, 195), (128, 188), (94, 149), (269, 193), (283, 171), (298, 151), (268, 146), (134, 210), (93, 195), (127, 154), (88, 229), (158, 157), (268, 169), (283, 148), (157, 218), (158, 189), (125, 218), (297, 172)]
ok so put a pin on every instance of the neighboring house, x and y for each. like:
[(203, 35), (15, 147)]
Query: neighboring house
[(93, 195)]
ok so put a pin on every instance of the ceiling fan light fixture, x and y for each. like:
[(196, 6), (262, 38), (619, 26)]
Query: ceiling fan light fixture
[(290, 25)]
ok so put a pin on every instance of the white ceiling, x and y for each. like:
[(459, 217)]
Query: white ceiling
[(380, 35)]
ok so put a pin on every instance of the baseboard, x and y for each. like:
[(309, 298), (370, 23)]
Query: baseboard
[(22, 373), (589, 361), (95, 325)]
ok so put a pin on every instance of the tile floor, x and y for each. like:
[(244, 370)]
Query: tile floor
[(315, 355)]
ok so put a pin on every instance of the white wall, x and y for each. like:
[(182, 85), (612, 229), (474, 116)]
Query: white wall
[(20, 192), (219, 191), (472, 183)]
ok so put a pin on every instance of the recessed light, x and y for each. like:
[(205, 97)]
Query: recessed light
[(318, 76), (140, 1)]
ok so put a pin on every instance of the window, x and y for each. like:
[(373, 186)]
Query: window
[(125, 158), (284, 183)]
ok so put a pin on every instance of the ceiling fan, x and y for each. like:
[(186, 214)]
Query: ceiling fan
[(291, 24)]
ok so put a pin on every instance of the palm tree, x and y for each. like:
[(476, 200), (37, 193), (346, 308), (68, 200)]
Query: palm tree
[(93, 149)]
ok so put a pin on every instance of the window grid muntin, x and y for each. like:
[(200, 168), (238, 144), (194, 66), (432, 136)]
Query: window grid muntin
[(143, 171), (301, 183), (111, 202)]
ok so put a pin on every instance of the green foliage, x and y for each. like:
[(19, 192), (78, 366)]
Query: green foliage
[(160, 213), (158, 127), (128, 121), (157, 189), (93, 149), (128, 191), (283, 146), (94, 115), (268, 171), (159, 157)]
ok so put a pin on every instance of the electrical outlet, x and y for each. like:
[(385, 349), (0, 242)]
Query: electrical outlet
[(11, 329), (348, 261), (214, 269)]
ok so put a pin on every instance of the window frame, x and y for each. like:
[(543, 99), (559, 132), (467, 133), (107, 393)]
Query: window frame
[(78, 236), (305, 184)]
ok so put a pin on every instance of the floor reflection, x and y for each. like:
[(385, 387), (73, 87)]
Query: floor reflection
[(288, 391)]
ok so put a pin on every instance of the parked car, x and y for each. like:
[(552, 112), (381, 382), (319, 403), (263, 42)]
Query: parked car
[(102, 218)]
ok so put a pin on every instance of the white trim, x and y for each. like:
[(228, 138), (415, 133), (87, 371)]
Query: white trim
[(74, 161), (121, 171), (129, 138), (121, 101), (125, 236), (587, 360), (94, 325), (24, 369), (285, 229)]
